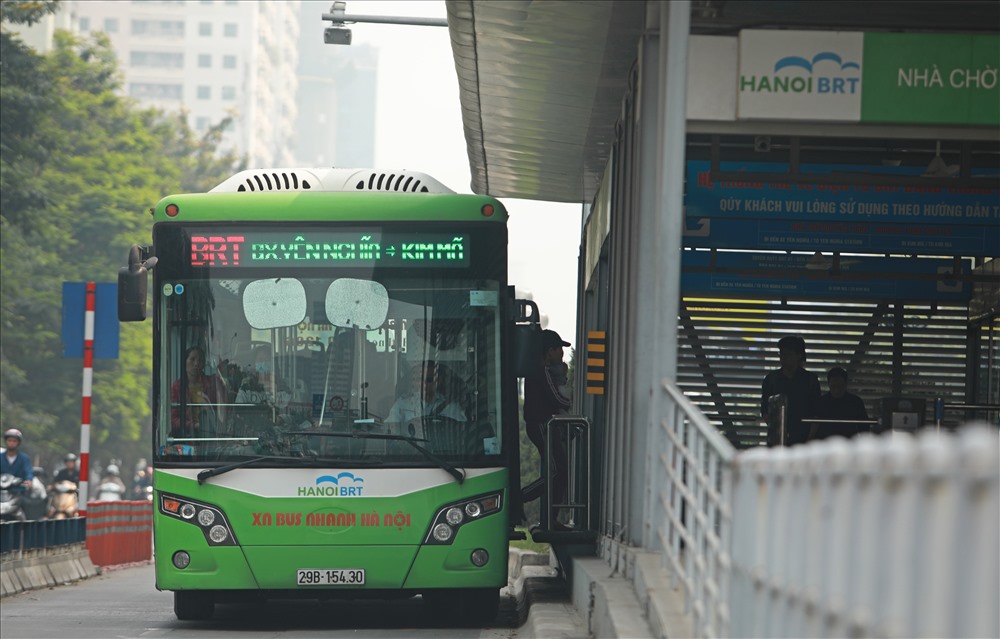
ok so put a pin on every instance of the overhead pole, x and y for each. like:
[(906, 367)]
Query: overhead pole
[(340, 34)]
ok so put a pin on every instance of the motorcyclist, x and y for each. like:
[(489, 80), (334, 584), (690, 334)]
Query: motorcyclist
[(63, 496), (16, 462), (143, 479), (110, 483), (69, 472)]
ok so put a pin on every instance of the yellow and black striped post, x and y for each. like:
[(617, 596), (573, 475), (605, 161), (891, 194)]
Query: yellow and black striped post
[(596, 362)]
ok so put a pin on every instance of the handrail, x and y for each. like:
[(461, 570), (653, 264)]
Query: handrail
[(718, 442), (691, 510), (940, 406)]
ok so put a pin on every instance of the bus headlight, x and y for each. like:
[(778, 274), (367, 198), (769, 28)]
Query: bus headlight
[(442, 533), (181, 559), (450, 518), (218, 534), (453, 516), (210, 519)]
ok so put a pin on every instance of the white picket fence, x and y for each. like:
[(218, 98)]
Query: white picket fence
[(890, 536)]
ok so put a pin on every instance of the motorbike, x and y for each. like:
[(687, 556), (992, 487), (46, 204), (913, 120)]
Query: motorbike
[(64, 502), (35, 500), (10, 500)]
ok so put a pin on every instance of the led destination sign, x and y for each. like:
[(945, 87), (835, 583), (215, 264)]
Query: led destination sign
[(280, 249)]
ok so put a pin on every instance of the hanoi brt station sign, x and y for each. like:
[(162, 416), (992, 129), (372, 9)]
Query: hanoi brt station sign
[(841, 76)]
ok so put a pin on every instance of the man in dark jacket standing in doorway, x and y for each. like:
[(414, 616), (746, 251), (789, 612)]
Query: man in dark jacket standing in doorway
[(543, 398)]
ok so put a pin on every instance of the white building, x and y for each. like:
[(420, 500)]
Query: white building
[(337, 87), (210, 58)]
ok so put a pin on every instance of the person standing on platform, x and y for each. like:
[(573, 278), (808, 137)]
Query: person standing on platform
[(799, 386)]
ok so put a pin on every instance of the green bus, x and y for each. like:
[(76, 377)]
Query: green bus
[(334, 400)]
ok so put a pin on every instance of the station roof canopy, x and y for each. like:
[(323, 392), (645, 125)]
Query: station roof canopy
[(541, 82)]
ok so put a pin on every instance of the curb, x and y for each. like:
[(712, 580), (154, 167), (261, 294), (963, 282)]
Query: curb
[(543, 601), (43, 569)]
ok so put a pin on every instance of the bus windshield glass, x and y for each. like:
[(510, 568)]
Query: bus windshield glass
[(318, 347)]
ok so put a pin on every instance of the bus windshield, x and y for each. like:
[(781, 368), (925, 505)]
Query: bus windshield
[(315, 366)]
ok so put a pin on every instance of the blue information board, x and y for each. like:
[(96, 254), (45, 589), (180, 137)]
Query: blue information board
[(835, 217), (797, 275), (105, 320), (860, 237)]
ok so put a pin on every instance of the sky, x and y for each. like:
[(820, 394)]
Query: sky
[(419, 127)]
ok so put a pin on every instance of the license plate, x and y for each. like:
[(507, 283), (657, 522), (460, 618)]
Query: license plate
[(330, 577)]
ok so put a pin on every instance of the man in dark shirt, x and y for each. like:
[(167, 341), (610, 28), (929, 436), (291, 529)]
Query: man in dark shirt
[(797, 384), (840, 404), (69, 471)]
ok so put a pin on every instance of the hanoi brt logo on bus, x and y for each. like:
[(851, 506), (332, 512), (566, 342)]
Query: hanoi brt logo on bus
[(345, 484)]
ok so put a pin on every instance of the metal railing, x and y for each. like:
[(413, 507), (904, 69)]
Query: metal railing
[(987, 412), (892, 535), (569, 436), (19, 536), (876, 536), (691, 511)]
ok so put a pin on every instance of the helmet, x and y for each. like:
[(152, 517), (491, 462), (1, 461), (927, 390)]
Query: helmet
[(111, 470), (13, 432), (69, 457)]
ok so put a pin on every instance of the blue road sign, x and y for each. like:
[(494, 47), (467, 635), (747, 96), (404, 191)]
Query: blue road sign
[(105, 320)]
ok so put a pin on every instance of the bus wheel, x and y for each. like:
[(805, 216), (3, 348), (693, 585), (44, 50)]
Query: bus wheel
[(193, 605)]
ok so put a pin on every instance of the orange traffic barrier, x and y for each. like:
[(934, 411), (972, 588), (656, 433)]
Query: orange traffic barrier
[(119, 532)]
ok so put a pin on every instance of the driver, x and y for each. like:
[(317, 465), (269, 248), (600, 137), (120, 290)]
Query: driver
[(425, 398)]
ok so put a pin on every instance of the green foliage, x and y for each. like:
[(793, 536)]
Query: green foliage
[(26, 11), (80, 166)]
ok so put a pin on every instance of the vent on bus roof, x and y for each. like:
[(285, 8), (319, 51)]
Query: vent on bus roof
[(400, 182), (274, 181)]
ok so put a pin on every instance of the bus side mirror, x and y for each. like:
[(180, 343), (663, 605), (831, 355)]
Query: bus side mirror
[(132, 284), (526, 334)]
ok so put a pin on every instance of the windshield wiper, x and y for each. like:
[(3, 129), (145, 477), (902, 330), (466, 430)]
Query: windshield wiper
[(412, 441), (218, 470)]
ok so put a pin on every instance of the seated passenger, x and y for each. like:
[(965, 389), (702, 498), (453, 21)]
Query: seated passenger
[(202, 395), (425, 397)]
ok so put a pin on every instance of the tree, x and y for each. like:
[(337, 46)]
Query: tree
[(80, 166)]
